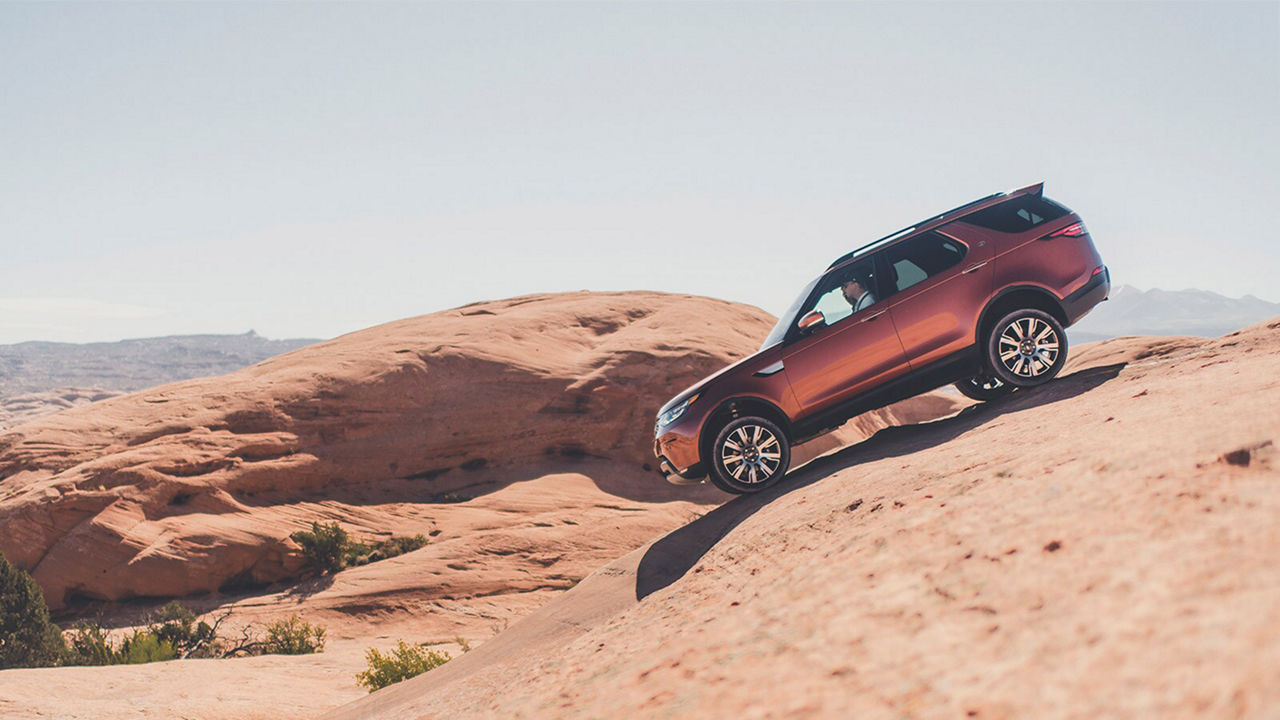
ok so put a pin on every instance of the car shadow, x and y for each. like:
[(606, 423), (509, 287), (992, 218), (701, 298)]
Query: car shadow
[(668, 559)]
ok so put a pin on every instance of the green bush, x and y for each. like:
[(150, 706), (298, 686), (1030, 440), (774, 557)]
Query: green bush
[(362, 554), (176, 625), (403, 662), (173, 633), (143, 646), (293, 637), (91, 645), (325, 546), (328, 548), (27, 637)]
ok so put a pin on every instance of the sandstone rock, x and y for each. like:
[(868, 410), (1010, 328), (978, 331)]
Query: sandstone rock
[(1084, 549), (165, 492)]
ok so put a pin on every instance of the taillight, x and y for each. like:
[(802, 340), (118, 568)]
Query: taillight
[(1071, 231)]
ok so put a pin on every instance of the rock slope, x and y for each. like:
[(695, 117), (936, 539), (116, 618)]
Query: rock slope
[(194, 486), (175, 490), (1100, 547)]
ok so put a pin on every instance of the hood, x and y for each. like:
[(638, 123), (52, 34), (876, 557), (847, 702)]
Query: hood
[(759, 358)]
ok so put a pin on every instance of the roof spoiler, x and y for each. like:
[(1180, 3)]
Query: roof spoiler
[(1037, 189)]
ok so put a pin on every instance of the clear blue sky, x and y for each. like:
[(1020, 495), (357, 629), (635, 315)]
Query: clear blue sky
[(308, 170)]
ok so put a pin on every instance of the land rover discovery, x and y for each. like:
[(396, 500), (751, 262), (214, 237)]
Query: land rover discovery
[(977, 296)]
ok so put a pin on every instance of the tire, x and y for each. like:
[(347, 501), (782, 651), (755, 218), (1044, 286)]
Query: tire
[(763, 455), (984, 387), (1027, 348)]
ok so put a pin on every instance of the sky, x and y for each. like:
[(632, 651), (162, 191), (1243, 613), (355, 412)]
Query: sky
[(306, 170)]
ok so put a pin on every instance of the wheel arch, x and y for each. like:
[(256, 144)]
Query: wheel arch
[(736, 407), (1016, 298)]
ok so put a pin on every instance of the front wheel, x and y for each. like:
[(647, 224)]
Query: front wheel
[(984, 387), (1027, 348), (749, 455)]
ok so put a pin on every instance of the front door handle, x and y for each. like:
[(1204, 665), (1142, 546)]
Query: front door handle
[(869, 318), (973, 268)]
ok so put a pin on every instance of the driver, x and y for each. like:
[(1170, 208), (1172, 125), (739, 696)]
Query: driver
[(857, 291)]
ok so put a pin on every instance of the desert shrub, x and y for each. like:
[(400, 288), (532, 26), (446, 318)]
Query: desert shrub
[(90, 645), (176, 625), (403, 662), (172, 633), (293, 637), (328, 548), (362, 554), (325, 546), (27, 637), (143, 646)]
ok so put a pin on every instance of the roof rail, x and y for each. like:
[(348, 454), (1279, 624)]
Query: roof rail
[(1036, 189)]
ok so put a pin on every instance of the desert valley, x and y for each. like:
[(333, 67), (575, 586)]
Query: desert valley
[(1101, 546)]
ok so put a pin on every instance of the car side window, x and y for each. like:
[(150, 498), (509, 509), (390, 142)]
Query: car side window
[(915, 260), (844, 292)]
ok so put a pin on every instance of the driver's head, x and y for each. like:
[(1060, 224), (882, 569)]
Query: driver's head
[(854, 288)]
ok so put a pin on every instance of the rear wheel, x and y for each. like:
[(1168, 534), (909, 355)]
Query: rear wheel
[(1027, 348), (984, 388), (748, 455)]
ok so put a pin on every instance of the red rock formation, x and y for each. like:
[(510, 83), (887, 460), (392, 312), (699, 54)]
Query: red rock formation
[(167, 491)]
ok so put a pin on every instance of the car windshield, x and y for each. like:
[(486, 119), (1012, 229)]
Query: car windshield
[(788, 318)]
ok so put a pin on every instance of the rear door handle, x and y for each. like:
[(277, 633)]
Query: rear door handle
[(869, 318), (973, 268)]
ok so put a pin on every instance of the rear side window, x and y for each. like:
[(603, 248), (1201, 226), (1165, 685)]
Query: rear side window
[(915, 260), (1017, 215)]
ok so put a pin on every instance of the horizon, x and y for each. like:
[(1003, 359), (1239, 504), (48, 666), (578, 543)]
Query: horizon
[(309, 171), (254, 332)]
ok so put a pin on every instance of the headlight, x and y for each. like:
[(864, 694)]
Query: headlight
[(674, 413)]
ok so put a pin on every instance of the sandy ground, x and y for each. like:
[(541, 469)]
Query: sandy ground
[(1101, 547)]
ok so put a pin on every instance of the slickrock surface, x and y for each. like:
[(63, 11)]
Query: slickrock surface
[(1104, 546), (195, 486), (514, 434)]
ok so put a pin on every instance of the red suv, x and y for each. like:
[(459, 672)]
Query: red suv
[(977, 296)]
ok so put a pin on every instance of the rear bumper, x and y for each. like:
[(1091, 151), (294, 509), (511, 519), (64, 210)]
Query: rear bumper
[(1079, 303)]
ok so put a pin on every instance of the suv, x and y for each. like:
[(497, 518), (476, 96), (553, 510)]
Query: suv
[(977, 296)]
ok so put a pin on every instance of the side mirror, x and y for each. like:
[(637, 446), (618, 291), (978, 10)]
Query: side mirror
[(813, 320)]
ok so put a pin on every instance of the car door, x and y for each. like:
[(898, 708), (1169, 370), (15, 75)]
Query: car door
[(938, 284), (856, 348)]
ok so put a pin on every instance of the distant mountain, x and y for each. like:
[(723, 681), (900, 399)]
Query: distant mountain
[(127, 365), (1131, 311)]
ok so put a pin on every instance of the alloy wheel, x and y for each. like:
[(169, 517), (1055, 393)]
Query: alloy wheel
[(751, 454), (1029, 347)]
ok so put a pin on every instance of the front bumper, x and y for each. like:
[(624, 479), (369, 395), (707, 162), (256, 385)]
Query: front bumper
[(693, 476), (677, 451)]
